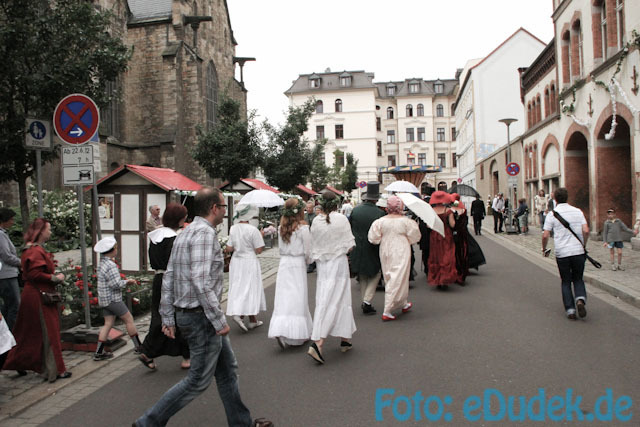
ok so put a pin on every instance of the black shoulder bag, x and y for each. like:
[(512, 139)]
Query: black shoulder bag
[(564, 222)]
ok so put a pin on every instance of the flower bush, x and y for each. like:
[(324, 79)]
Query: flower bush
[(72, 290)]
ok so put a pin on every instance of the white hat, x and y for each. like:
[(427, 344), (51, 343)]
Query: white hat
[(105, 245), (382, 201), (245, 212)]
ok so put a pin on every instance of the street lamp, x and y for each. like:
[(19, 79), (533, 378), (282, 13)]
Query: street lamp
[(509, 226)]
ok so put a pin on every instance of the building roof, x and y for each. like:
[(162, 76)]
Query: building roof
[(306, 190), (258, 185), (330, 81), (167, 179), (426, 87), (334, 190), (143, 10)]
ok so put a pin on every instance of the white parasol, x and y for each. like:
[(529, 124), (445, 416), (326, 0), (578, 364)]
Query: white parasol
[(403, 187), (262, 199), (424, 211)]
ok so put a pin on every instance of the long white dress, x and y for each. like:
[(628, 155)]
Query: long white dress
[(291, 318), (331, 242), (395, 235), (246, 294)]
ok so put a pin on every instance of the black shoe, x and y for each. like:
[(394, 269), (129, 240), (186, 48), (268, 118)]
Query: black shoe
[(102, 356), (261, 422), (572, 316), (368, 308), (21, 373), (582, 310), (281, 342), (314, 352), (345, 346), (64, 375)]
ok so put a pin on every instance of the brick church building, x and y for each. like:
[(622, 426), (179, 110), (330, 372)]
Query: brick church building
[(183, 60)]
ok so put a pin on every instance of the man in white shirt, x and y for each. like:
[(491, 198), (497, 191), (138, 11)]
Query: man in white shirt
[(498, 208), (346, 208), (569, 251)]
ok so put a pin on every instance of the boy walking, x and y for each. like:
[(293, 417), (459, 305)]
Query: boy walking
[(612, 235), (110, 286)]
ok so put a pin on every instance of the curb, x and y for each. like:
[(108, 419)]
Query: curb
[(622, 292)]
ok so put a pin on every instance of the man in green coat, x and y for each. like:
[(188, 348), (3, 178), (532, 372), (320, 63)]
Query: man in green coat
[(365, 261)]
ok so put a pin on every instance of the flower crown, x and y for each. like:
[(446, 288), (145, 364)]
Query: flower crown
[(294, 210), (327, 205)]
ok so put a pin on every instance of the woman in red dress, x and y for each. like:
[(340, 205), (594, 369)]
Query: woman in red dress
[(442, 250), (37, 328)]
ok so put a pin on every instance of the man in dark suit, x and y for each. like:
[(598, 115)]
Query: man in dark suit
[(478, 213), (365, 260)]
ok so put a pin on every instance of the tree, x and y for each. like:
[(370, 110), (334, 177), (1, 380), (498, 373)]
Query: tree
[(49, 50), (350, 174), (287, 157), (319, 175), (231, 150)]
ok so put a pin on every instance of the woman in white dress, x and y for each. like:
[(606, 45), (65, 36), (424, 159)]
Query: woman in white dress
[(246, 294), (395, 233), (331, 239), (291, 320)]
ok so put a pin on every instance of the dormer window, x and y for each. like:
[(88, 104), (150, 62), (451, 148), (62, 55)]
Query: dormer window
[(314, 81), (391, 90), (345, 80), (414, 87), (438, 87)]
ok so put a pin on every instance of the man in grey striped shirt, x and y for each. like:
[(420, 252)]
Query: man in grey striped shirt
[(191, 293)]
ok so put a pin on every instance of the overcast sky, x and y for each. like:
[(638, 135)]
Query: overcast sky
[(393, 39)]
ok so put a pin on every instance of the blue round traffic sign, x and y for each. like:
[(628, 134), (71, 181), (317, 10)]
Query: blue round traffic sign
[(76, 119), (37, 130), (513, 169)]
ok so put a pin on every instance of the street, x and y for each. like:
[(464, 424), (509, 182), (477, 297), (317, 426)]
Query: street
[(506, 330)]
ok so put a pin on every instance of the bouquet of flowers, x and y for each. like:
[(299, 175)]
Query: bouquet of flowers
[(269, 231)]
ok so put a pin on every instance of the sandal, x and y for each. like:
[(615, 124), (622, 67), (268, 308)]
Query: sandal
[(147, 362)]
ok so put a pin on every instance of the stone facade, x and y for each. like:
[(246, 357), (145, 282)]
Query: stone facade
[(164, 91)]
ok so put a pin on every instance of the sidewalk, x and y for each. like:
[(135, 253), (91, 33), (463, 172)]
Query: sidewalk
[(622, 284), (18, 393)]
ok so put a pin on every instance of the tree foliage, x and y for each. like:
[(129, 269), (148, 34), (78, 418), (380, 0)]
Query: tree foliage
[(319, 175), (349, 174), (287, 158), (49, 50), (231, 150)]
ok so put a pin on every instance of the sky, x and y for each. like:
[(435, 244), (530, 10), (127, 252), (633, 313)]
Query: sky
[(393, 39)]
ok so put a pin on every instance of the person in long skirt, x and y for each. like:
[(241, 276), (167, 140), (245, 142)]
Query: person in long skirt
[(291, 322), (331, 240), (246, 294), (156, 343), (442, 250), (460, 238), (395, 233)]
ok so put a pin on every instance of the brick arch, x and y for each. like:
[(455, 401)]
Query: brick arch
[(549, 141), (576, 169), (577, 16), (615, 169), (573, 129)]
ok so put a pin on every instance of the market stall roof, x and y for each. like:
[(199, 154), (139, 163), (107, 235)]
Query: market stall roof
[(252, 183), (167, 179), (411, 168), (306, 190), (335, 190)]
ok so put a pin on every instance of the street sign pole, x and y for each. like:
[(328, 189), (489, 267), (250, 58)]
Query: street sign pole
[(83, 257), (39, 179)]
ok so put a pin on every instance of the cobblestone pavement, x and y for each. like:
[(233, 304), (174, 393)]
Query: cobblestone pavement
[(622, 284), (18, 393)]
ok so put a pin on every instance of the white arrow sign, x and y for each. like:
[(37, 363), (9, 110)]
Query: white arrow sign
[(78, 132)]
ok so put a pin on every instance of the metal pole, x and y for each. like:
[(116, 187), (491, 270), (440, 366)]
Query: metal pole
[(96, 213), (510, 186), (83, 255), (39, 179)]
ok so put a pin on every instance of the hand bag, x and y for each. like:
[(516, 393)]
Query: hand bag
[(564, 222), (51, 298)]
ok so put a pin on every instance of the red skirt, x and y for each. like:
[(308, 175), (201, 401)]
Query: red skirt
[(442, 257)]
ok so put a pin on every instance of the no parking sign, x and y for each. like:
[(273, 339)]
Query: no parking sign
[(76, 119)]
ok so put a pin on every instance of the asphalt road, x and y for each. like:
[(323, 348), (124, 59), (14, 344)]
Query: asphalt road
[(505, 331)]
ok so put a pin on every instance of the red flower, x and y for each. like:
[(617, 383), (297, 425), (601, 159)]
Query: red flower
[(78, 267), (90, 294), (93, 301), (79, 275), (78, 283), (122, 276), (137, 282), (93, 276)]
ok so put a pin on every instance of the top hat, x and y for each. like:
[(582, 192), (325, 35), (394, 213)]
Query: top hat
[(440, 198), (373, 191)]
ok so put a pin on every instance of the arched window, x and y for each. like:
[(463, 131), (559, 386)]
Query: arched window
[(539, 110), (552, 97), (546, 102), (338, 105), (409, 110), (533, 113), (211, 96), (319, 107), (440, 110), (529, 118), (420, 110), (390, 113)]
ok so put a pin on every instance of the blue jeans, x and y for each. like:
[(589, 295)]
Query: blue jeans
[(571, 269), (10, 294), (211, 355)]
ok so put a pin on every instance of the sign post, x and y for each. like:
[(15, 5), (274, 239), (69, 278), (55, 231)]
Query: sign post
[(76, 119), (38, 137)]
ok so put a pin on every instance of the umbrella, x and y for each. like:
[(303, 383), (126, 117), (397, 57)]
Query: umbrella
[(262, 199), (424, 211), (464, 190), (402, 186)]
